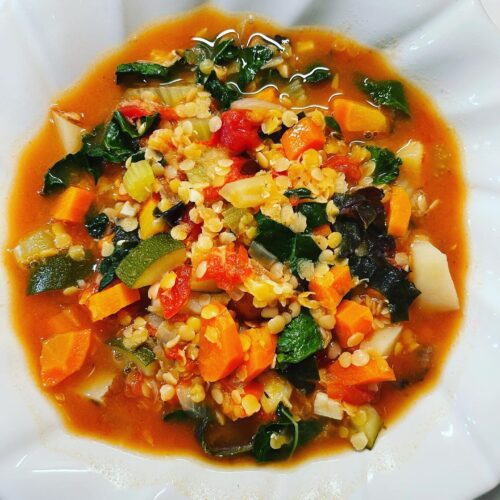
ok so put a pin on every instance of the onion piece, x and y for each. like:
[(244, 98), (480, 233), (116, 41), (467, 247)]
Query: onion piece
[(251, 103)]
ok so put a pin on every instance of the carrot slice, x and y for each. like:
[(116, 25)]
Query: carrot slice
[(375, 371), (301, 137), (354, 116), (330, 288), (110, 301), (269, 94), (398, 212), (66, 320), (73, 204), (352, 318), (261, 352), (352, 394), (63, 355), (220, 345)]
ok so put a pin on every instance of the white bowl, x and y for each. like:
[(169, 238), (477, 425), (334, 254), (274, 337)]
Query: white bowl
[(446, 445)]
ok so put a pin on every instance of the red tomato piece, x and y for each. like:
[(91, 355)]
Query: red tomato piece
[(176, 298), (349, 168), (168, 114), (133, 111), (352, 394), (228, 266), (238, 133)]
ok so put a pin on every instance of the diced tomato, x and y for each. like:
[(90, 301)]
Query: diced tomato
[(238, 133), (255, 388), (133, 384), (228, 266), (352, 394), (173, 300), (133, 111), (349, 168), (168, 114)]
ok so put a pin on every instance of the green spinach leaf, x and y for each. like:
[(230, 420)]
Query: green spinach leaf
[(333, 124), (303, 375), (317, 74), (141, 72), (222, 93), (145, 126), (300, 193), (300, 339), (96, 225), (315, 213), (388, 93), (386, 165), (251, 60), (225, 51)]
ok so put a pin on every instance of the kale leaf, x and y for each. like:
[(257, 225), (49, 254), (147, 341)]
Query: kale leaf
[(251, 60), (299, 193), (124, 242), (297, 434), (300, 339), (386, 165), (96, 225), (147, 125), (388, 93), (302, 375), (222, 93), (225, 51), (333, 124), (141, 72), (173, 215), (315, 213), (283, 243), (317, 74), (390, 281)]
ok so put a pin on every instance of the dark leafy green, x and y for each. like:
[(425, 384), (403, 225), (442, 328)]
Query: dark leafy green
[(96, 225), (68, 170), (302, 375), (390, 281), (332, 124), (388, 93), (251, 60), (145, 125), (300, 339), (283, 243), (141, 72), (315, 213), (222, 93), (173, 214), (298, 434), (300, 193), (386, 165), (225, 51), (317, 74), (58, 272), (124, 242)]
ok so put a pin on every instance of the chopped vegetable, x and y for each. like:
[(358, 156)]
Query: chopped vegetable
[(141, 72), (412, 156), (398, 212), (97, 386), (316, 74), (148, 222), (67, 320), (352, 318), (315, 213), (251, 60), (353, 116), (372, 425), (62, 355), (150, 260), (238, 133), (222, 93), (301, 137), (36, 246), (261, 352), (220, 346), (142, 357), (375, 371), (246, 193), (110, 301), (97, 225), (69, 133), (303, 375), (386, 165), (138, 180), (73, 205), (331, 288), (388, 93), (382, 341), (175, 298)]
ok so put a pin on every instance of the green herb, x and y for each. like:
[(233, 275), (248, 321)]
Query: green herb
[(315, 213), (283, 243), (386, 165), (225, 51), (302, 375), (390, 281), (68, 170), (300, 339), (300, 193), (297, 434), (141, 72), (251, 60), (124, 242), (96, 225), (333, 124), (222, 93), (58, 272), (148, 124), (317, 74), (388, 93)]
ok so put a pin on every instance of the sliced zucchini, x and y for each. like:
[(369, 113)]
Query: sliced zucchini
[(97, 386), (36, 246), (143, 357), (372, 425), (58, 272), (150, 260), (149, 224)]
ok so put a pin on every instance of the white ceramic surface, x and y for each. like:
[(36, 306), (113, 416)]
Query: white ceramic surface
[(446, 446)]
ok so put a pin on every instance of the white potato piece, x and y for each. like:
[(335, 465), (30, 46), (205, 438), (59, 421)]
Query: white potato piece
[(431, 275), (412, 155), (97, 386), (251, 192), (69, 133), (382, 341)]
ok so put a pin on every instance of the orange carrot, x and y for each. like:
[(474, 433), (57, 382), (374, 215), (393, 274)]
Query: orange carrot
[(375, 371), (323, 230), (354, 116), (301, 137), (66, 320), (111, 300), (261, 352), (63, 355), (330, 288), (352, 318), (73, 204), (269, 94), (398, 212), (220, 345)]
